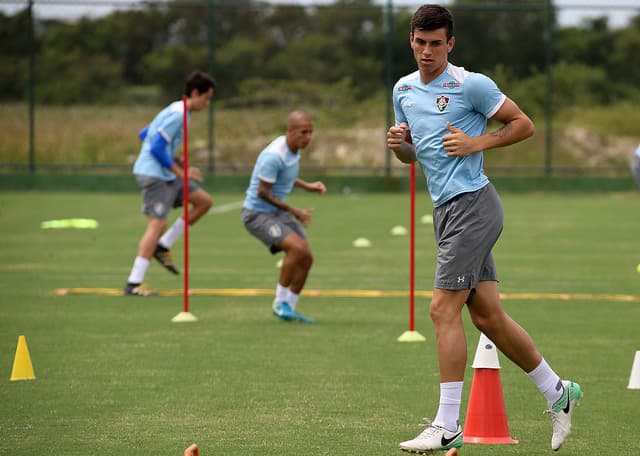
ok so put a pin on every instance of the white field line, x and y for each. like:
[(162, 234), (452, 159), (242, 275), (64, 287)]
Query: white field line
[(226, 208)]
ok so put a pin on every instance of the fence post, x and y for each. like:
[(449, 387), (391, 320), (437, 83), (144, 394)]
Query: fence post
[(211, 39), (32, 98), (388, 76), (548, 162)]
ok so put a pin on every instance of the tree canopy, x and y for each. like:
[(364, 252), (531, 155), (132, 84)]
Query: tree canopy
[(264, 54)]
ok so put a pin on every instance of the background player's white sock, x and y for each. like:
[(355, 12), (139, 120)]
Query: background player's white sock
[(138, 271), (172, 234)]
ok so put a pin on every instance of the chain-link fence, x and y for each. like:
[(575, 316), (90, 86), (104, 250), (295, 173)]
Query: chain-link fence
[(79, 78)]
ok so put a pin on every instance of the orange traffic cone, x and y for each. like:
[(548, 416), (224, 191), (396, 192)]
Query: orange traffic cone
[(486, 420), (191, 450)]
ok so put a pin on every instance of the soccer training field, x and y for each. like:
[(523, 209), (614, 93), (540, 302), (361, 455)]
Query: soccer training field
[(114, 375)]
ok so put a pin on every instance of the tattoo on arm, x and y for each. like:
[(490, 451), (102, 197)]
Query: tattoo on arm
[(503, 131)]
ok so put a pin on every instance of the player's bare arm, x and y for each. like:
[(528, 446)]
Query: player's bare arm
[(192, 172), (265, 192), (317, 187), (516, 127), (400, 142)]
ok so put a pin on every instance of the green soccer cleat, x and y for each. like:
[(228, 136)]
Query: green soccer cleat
[(433, 438), (561, 412)]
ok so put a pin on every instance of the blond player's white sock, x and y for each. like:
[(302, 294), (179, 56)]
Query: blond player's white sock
[(138, 271), (281, 294), (292, 299)]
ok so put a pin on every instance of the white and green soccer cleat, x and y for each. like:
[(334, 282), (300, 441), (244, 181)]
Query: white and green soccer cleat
[(561, 412), (433, 438)]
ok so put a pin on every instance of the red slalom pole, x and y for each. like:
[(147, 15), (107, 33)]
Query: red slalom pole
[(412, 246), (185, 315), (185, 200), (412, 335)]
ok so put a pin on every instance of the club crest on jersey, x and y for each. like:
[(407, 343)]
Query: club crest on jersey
[(442, 102)]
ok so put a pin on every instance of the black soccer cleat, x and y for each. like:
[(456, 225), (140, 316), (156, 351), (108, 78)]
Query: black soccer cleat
[(138, 289), (163, 255)]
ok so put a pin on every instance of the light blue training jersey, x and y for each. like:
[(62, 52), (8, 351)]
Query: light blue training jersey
[(276, 165), (167, 123), (464, 99)]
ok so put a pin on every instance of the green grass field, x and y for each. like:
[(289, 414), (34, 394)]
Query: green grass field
[(116, 377)]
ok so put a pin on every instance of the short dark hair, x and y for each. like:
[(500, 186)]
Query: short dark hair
[(432, 17), (200, 81)]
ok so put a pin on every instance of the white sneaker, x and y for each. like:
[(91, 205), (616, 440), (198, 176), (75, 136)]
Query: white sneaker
[(561, 411), (433, 438)]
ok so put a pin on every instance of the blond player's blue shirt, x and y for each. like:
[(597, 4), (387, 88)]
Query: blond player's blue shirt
[(464, 99), (277, 165), (167, 123)]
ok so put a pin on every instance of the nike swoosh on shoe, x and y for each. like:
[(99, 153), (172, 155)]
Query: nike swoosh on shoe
[(444, 441)]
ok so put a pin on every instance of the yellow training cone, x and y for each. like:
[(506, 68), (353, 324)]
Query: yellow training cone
[(22, 368)]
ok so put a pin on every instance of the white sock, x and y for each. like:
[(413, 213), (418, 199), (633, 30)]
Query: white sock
[(281, 293), (292, 299), (547, 381), (172, 234), (138, 271), (449, 408)]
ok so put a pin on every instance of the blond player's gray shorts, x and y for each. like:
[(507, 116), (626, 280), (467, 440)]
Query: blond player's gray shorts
[(466, 229), (271, 227)]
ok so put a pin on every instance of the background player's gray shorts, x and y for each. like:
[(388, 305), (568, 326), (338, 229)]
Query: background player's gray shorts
[(160, 196), (271, 227), (466, 229)]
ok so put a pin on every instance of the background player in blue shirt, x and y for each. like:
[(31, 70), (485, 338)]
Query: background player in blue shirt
[(160, 177), (441, 113), (267, 216)]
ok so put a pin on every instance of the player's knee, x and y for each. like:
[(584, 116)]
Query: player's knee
[(486, 323), (443, 312), (437, 310), (206, 202), (302, 255), (307, 259)]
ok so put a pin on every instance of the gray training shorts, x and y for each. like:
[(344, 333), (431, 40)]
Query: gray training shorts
[(271, 227), (466, 229), (160, 196)]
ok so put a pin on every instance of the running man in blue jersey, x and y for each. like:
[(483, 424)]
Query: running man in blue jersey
[(441, 113), (160, 177), (267, 216)]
